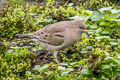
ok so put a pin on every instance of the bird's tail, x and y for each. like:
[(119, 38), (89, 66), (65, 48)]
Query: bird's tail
[(25, 36)]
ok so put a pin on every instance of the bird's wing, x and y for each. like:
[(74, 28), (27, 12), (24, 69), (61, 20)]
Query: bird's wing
[(52, 34)]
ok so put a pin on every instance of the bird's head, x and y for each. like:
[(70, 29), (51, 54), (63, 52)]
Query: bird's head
[(82, 26)]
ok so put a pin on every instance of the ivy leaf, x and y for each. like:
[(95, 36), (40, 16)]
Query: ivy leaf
[(105, 9), (61, 68), (106, 66), (87, 12), (49, 1), (86, 17), (102, 37), (10, 51), (40, 68), (98, 30), (70, 4), (117, 20), (114, 11), (28, 73), (85, 72), (114, 16), (37, 67), (83, 52), (105, 32), (74, 17), (113, 43), (96, 16), (68, 70)]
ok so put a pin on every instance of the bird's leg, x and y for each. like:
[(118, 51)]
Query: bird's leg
[(55, 56)]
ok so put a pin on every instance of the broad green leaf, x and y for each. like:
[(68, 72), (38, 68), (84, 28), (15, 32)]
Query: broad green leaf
[(85, 72), (49, 1), (70, 4), (73, 63), (102, 37), (82, 61), (114, 11), (37, 67), (40, 68), (105, 9), (117, 20), (114, 16), (105, 32), (113, 43), (15, 47), (63, 64), (89, 47), (86, 17), (102, 23), (61, 68), (98, 30), (118, 56), (27, 46), (106, 66), (10, 51), (93, 26), (64, 73), (96, 16), (68, 70), (28, 73), (111, 58), (44, 67), (74, 17), (87, 12), (83, 52)]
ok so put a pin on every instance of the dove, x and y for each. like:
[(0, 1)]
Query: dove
[(58, 36)]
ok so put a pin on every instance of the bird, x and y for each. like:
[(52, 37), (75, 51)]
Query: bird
[(58, 36)]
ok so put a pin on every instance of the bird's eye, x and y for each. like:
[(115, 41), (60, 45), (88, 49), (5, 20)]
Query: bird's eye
[(80, 27)]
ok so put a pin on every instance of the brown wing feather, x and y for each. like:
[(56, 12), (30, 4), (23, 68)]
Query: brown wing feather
[(52, 33)]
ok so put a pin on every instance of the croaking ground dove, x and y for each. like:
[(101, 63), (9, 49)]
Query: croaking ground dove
[(58, 36)]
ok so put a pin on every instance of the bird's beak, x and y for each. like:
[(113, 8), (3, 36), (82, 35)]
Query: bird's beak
[(85, 30)]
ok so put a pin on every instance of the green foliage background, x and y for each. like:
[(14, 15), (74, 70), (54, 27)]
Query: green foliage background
[(94, 58)]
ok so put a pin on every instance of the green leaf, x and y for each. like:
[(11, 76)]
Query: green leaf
[(73, 63), (61, 68), (111, 58), (114, 11), (68, 70), (44, 67), (89, 47), (50, 1), (38, 68), (105, 32), (83, 52), (10, 51), (106, 66), (70, 4), (117, 20), (63, 64), (85, 72), (96, 16), (82, 61), (113, 43), (102, 37), (28, 73), (114, 16), (86, 17), (93, 26), (105, 9), (87, 12), (74, 17), (98, 30)]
